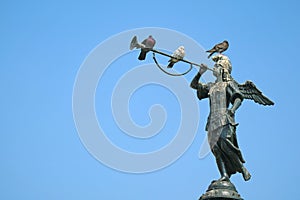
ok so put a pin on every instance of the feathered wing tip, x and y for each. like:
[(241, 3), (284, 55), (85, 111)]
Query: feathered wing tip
[(250, 91)]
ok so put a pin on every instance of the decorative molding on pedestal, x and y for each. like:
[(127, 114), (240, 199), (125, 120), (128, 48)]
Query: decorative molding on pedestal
[(221, 190)]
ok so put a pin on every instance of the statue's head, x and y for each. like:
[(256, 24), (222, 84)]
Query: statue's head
[(223, 67)]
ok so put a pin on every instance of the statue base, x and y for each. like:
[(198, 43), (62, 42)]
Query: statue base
[(221, 190)]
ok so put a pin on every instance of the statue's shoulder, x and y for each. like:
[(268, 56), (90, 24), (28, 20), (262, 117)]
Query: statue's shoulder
[(233, 84)]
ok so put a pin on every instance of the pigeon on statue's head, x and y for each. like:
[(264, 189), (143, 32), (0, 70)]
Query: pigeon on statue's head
[(220, 48)]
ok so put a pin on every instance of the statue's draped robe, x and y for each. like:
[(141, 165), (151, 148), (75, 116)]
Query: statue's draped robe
[(221, 125)]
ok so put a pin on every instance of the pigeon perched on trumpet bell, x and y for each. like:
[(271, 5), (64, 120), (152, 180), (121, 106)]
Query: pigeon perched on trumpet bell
[(148, 45), (220, 48), (177, 55)]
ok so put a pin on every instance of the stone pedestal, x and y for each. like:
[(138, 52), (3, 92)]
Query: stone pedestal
[(221, 190)]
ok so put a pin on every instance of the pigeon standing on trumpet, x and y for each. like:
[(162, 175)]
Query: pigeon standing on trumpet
[(221, 47), (177, 55), (148, 44)]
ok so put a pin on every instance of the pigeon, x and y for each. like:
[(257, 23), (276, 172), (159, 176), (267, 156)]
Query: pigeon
[(147, 44), (221, 47), (178, 54)]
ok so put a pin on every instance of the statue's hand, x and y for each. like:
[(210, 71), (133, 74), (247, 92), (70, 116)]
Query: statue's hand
[(203, 69), (231, 112)]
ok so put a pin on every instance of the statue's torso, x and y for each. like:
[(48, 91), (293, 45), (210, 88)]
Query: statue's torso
[(218, 106), (217, 97)]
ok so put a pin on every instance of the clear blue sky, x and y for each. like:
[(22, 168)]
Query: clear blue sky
[(44, 43)]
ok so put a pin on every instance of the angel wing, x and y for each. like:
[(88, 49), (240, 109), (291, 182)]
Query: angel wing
[(250, 91)]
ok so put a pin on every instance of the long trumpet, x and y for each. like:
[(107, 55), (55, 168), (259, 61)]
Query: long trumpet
[(135, 44)]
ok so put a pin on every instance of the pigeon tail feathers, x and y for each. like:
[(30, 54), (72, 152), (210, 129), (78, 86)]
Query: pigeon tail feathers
[(142, 55), (170, 65), (210, 54)]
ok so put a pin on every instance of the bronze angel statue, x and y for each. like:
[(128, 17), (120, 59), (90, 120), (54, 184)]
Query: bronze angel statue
[(225, 97)]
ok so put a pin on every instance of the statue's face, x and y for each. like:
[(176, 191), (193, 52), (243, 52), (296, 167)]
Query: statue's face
[(217, 70)]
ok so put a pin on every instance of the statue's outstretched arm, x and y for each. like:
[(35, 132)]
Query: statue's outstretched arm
[(195, 82)]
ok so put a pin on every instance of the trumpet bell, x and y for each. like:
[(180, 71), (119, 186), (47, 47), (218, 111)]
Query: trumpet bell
[(134, 43)]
